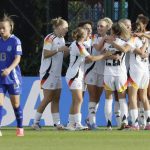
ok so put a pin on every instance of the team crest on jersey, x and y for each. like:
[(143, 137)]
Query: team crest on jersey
[(9, 48)]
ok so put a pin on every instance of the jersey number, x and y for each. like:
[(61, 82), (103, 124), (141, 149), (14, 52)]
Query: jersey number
[(2, 56)]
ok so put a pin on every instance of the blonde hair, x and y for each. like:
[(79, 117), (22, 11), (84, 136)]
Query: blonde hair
[(58, 22), (124, 20), (78, 33), (7, 18), (108, 21), (120, 29)]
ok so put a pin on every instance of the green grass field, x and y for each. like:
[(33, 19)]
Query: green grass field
[(51, 139)]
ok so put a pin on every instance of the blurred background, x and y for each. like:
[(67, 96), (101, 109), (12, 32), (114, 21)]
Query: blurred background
[(32, 19)]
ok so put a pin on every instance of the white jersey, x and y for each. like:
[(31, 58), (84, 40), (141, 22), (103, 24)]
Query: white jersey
[(137, 64), (99, 64), (52, 64), (115, 67), (89, 46), (76, 68), (148, 32)]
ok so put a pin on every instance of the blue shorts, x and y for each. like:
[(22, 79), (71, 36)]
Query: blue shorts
[(12, 89)]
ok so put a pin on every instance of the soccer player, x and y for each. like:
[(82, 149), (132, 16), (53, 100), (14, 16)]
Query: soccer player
[(139, 77), (94, 71), (115, 75), (138, 72), (10, 74), (50, 71), (75, 76)]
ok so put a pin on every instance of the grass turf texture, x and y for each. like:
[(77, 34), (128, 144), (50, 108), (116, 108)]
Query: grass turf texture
[(51, 139)]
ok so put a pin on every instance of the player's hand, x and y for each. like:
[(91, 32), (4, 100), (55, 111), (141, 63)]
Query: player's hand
[(108, 53), (5, 72), (63, 49), (138, 34), (145, 55), (110, 39)]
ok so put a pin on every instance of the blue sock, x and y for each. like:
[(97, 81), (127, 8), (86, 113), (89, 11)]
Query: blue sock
[(1, 114), (19, 116)]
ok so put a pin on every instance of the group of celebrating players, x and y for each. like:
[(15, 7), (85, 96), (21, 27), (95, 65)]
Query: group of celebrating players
[(114, 60)]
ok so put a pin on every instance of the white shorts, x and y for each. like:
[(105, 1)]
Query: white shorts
[(115, 83), (50, 82), (93, 78), (77, 84), (139, 80)]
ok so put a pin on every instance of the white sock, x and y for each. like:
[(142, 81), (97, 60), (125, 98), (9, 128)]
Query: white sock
[(117, 113), (77, 118), (134, 117), (92, 109), (37, 118), (71, 119), (56, 118), (108, 110), (142, 119), (124, 110), (147, 116), (129, 117)]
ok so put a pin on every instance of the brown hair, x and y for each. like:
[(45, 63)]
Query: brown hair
[(7, 18), (143, 19), (138, 27), (81, 24), (78, 33)]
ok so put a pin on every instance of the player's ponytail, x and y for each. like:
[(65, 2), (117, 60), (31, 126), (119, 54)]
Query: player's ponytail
[(79, 33)]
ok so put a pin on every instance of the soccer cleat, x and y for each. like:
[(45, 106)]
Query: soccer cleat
[(70, 127), (90, 126), (19, 132), (147, 127), (142, 127), (0, 133), (93, 126), (124, 126), (79, 127), (134, 128), (59, 126), (109, 128), (36, 127)]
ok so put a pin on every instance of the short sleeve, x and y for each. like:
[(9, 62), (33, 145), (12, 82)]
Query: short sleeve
[(48, 42), (18, 47), (83, 52)]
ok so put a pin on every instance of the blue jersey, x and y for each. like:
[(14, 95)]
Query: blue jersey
[(8, 50)]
